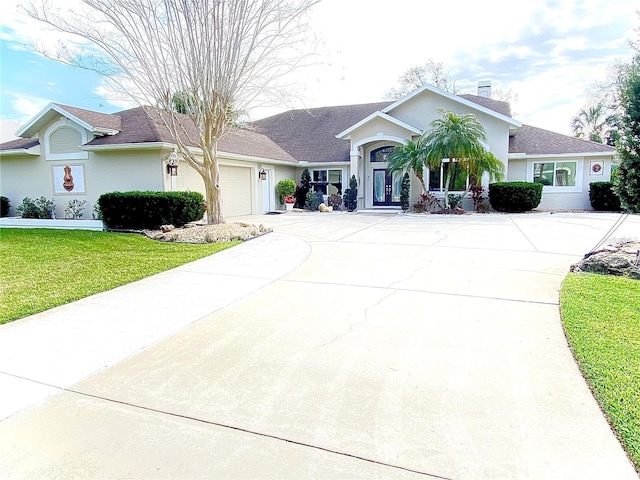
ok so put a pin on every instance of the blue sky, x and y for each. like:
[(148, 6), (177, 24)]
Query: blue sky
[(548, 52)]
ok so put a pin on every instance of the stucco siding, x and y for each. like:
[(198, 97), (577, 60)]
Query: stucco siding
[(32, 176)]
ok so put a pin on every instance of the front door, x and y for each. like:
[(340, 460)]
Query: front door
[(386, 187)]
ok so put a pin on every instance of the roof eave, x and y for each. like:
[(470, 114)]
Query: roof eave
[(524, 156), (345, 135), (19, 151)]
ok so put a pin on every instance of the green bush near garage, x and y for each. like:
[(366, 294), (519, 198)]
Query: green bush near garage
[(5, 204), (515, 196), (150, 210), (603, 197)]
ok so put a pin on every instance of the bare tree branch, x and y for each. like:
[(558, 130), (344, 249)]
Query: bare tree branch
[(226, 55)]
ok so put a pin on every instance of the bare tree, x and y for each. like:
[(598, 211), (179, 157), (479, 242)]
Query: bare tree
[(430, 73), (221, 56)]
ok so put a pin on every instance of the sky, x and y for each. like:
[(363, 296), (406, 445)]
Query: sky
[(546, 52)]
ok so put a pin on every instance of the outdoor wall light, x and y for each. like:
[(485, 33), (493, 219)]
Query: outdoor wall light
[(172, 164), (262, 174), (172, 170)]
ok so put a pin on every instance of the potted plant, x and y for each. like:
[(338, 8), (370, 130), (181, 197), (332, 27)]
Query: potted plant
[(289, 202)]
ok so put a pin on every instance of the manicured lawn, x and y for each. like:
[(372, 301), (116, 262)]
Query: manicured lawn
[(601, 315), (41, 269)]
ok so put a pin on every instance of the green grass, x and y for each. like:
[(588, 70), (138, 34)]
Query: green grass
[(601, 315), (41, 268)]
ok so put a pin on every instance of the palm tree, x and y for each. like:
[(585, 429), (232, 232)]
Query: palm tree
[(593, 123), (409, 157), (457, 138)]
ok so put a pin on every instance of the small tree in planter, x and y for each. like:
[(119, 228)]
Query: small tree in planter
[(351, 195), (285, 188)]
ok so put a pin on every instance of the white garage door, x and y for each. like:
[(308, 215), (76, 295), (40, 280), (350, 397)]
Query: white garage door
[(237, 197)]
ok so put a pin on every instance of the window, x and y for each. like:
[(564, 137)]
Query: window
[(555, 174), (381, 154), (327, 182), (438, 177)]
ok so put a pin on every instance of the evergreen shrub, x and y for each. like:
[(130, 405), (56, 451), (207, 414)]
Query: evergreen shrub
[(515, 196), (150, 210), (603, 197)]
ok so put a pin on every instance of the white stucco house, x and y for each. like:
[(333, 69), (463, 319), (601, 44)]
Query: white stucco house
[(128, 151)]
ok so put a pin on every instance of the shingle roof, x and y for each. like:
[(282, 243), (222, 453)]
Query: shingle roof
[(19, 144), (309, 134), (503, 108), (537, 141), (96, 119), (138, 127)]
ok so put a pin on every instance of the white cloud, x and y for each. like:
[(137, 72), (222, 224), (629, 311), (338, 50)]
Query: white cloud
[(27, 107)]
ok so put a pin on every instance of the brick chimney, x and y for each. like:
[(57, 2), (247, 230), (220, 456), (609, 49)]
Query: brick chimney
[(484, 88)]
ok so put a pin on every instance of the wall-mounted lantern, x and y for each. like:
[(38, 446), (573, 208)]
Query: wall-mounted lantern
[(172, 164), (262, 174)]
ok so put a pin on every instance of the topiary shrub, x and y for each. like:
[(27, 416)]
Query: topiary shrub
[(303, 188), (603, 197), (351, 195), (5, 205), (150, 210), (515, 196), (404, 192), (285, 188)]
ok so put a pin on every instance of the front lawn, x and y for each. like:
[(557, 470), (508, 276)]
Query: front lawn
[(41, 268), (601, 316)]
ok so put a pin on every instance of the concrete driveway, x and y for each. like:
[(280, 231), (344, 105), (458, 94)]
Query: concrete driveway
[(340, 346)]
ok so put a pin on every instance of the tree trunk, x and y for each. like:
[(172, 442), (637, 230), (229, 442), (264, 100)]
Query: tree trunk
[(212, 186), (446, 184)]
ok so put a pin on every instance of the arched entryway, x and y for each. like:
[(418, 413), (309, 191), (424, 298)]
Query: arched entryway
[(384, 185)]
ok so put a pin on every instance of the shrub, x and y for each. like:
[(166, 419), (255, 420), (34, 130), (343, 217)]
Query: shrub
[(313, 201), (39, 208), (335, 201), (75, 208), (455, 200), (404, 192), (515, 196), (5, 204), (603, 197), (351, 195), (139, 210), (303, 188), (285, 188)]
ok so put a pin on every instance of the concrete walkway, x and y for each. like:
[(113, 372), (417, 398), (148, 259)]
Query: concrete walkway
[(340, 346)]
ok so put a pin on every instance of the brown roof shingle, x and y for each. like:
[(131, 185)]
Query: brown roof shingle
[(537, 141), (309, 135), (95, 119), (19, 144), (138, 127)]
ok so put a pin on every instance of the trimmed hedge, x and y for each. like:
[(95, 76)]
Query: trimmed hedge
[(603, 197), (4, 206), (515, 196), (138, 210)]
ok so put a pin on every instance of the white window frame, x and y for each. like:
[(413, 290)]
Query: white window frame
[(441, 188), (577, 188), (329, 183)]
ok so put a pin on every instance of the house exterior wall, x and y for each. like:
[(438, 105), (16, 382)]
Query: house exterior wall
[(521, 170), (32, 176), (422, 110)]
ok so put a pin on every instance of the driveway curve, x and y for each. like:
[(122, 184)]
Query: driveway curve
[(367, 346)]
